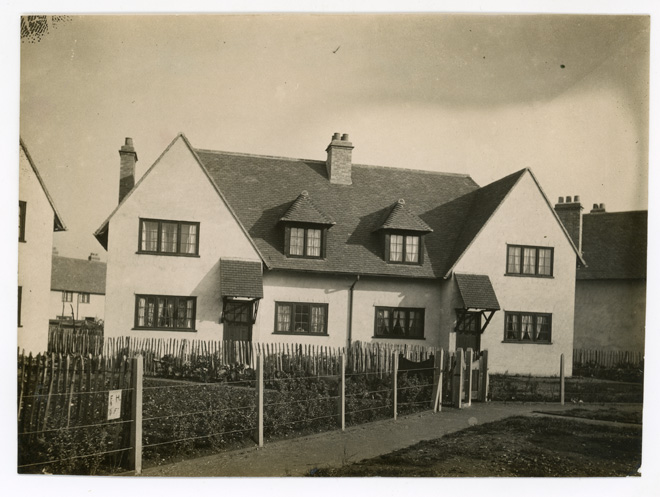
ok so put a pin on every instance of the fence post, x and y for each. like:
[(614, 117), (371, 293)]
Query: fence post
[(342, 393), (561, 379), (436, 401), (469, 356), (483, 372), (135, 455), (395, 373), (260, 400), (457, 383)]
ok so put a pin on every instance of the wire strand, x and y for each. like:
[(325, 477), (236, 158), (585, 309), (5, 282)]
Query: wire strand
[(208, 411), (75, 427), (74, 457), (197, 438)]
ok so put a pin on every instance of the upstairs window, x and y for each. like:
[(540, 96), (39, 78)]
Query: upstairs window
[(301, 318), (529, 261), (527, 327), (168, 237), (84, 298), (402, 248), (304, 242), (165, 312), (67, 296), (399, 322), (22, 208)]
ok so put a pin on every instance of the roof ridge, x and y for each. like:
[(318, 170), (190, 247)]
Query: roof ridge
[(298, 159), (600, 214)]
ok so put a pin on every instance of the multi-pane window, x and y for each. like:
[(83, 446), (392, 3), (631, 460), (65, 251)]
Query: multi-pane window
[(298, 317), (67, 296), (528, 327), (399, 322), (22, 208), (468, 321), (84, 298), (529, 261), (305, 242), (403, 248), (169, 237), (164, 312)]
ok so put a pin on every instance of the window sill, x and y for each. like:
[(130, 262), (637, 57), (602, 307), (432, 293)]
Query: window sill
[(404, 263), (398, 338), (312, 257), (516, 275), (167, 254), (177, 330), (526, 342), (22, 241), (293, 333)]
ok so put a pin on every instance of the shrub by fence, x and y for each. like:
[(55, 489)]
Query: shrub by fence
[(616, 365)]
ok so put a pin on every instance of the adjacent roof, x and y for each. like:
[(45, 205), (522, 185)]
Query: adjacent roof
[(400, 218), (303, 210), (58, 223), (241, 279), (260, 189), (614, 245), (78, 275), (477, 292)]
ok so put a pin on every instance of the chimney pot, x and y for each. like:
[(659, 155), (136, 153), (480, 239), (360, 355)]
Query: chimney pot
[(602, 206), (576, 198), (561, 200), (568, 199), (336, 136), (344, 137)]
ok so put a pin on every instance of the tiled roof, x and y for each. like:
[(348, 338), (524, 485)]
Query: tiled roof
[(259, 189), (477, 291), (400, 218), (303, 210), (241, 279), (78, 275), (614, 245)]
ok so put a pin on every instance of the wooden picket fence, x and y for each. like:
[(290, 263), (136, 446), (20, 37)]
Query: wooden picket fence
[(58, 391), (606, 358), (82, 340)]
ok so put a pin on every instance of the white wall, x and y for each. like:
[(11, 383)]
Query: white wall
[(34, 260), (369, 292), (162, 195), (94, 309), (524, 218)]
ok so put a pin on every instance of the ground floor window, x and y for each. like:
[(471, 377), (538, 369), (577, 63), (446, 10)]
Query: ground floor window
[(399, 322), (165, 312), (301, 318), (527, 327)]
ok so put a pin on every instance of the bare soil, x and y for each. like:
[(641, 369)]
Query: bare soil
[(516, 446)]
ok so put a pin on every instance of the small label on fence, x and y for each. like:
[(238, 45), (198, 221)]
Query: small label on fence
[(114, 404)]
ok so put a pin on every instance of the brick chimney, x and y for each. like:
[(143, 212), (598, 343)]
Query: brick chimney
[(127, 159), (597, 209), (570, 213), (339, 162), (93, 256)]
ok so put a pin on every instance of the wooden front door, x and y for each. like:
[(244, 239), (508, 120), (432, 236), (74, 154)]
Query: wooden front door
[(238, 320)]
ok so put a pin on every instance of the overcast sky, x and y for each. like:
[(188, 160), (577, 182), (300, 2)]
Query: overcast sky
[(566, 96)]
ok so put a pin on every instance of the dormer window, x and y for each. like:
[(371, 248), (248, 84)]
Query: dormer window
[(305, 229), (403, 233)]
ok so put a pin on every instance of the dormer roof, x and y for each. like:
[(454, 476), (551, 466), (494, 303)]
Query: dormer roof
[(401, 218), (303, 210)]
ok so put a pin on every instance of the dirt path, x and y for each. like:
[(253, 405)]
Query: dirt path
[(302, 456)]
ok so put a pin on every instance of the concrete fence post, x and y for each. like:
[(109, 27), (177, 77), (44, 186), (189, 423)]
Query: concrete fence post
[(342, 393), (469, 357), (260, 401), (395, 374), (457, 380), (562, 390), (436, 401), (135, 454)]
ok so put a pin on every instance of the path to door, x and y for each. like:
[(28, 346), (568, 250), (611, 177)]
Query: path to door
[(300, 456)]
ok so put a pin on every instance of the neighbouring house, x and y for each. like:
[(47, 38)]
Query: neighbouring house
[(37, 219), (219, 245), (77, 289), (610, 293)]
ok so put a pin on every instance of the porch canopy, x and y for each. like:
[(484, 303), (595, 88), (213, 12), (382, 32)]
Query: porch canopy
[(242, 279), (478, 295)]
